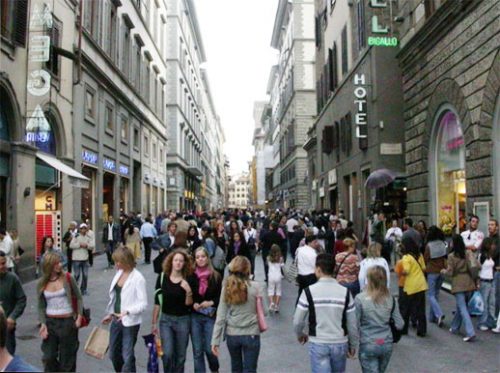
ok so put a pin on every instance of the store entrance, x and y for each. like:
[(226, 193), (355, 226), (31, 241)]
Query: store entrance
[(108, 195)]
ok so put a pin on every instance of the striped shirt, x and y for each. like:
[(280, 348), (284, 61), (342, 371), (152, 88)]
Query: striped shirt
[(329, 300)]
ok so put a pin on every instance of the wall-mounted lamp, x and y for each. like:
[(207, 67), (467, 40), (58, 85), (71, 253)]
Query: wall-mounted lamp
[(399, 19), (27, 192)]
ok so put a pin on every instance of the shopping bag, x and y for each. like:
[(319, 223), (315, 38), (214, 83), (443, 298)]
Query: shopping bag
[(261, 317), (476, 304), (97, 343), (150, 342)]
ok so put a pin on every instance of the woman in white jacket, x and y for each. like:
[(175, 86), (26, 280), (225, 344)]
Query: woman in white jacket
[(372, 259), (128, 300)]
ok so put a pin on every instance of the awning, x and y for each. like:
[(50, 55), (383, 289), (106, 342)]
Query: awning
[(75, 178)]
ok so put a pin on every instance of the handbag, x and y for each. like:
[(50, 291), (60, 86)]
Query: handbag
[(475, 306), (340, 265), (97, 343), (74, 304), (396, 334), (158, 262), (291, 271), (261, 318)]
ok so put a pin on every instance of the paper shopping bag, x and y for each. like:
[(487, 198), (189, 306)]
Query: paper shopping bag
[(98, 342)]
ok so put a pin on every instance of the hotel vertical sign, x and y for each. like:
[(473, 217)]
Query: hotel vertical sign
[(361, 104)]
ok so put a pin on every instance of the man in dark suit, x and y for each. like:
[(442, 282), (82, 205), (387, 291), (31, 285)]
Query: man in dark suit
[(111, 235)]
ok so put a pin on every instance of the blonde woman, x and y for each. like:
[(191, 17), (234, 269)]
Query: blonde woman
[(373, 258), (374, 307), (133, 240), (347, 267), (127, 301), (237, 315), (59, 321)]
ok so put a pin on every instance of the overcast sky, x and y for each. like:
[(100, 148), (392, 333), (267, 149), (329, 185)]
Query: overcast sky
[(237, 37)]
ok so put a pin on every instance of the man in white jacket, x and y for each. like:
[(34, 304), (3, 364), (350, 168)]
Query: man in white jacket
[(83, 245)]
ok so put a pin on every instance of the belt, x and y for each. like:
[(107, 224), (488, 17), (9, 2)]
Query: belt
[(65, 316), (485, 280)]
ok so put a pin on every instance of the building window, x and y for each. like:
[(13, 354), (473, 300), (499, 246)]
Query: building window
[(14, 16), (136, 137), (109, 118), (124, 129), (332, 64), (53, 64), (90, 103), (345, 62), (154, 151), (449, 172), (361, 24), (112, 23), (126, 51), (137, 66), (91, 17), (146, 146)]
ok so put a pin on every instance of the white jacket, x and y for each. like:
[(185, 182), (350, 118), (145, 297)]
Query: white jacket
[(134, 298)]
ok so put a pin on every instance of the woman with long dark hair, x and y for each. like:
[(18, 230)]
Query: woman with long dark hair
[(59, 321), (48, 246), (462, 284), (415, 286), (206, 300), (237, 315), (237, 246), (193, 240), (486, 276), (374, 307), (435, 253), (133, 240), (173, 300)]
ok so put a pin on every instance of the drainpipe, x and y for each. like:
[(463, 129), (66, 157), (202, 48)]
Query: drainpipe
[(79, 50)]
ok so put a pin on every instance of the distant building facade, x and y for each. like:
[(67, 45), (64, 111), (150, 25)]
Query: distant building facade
[(239, 191)]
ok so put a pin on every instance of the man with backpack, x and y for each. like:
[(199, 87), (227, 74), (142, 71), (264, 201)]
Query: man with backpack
[(327, 309)]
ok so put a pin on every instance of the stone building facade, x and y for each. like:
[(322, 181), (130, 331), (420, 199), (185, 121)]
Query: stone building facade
[(451, 79), (358, 128), (293, 97)]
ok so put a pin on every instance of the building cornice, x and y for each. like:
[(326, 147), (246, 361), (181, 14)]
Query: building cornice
[(446, 17), (278, 23), (196, 27)]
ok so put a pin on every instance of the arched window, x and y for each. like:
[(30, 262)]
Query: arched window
[(4, 125), (448, 171)]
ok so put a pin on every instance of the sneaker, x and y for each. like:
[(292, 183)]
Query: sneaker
[(440, 321), (484, 328), (271, 307), (453, 331), (276, 308), (496, 330), (469, 339)]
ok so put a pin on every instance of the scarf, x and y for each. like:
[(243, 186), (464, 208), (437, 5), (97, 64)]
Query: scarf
[(203, 275), (237, 245)]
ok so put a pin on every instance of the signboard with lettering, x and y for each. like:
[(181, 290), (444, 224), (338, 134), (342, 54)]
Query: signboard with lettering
[(124, 170), (360, 101), (109, 164), (381, 30), (332, 177), (39, 83), (89, 157)]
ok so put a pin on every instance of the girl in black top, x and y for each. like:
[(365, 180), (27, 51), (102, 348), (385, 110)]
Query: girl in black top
[(208, 283), (237, 246), (174, 297), (193, 241)]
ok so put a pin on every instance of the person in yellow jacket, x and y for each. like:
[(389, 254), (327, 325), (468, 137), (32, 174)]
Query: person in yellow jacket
[(414, 287)]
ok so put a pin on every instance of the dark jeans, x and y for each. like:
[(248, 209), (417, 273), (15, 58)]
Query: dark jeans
[(496, 281), (147, 249), (81, 267), (374, 358), (244, 351), (253, 254), (265, 254), (174, 332), (305, 281), (110, 248), (122, 340), (60, 348), (202, 328), (70, 259), (415, 305), (11, 341), (353, 288)]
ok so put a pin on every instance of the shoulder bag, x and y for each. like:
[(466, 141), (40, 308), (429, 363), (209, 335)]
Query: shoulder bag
[(396, 334), (74, 304), (340, 265), (291, 271)]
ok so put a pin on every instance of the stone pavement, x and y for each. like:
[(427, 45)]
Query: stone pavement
[(280, 352)]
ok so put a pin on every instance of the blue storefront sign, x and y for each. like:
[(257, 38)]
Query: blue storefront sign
[(89, 157), (124, 170), (108, 164)]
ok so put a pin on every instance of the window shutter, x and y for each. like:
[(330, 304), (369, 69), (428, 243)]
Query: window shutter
[(21, 22), (334, 66)]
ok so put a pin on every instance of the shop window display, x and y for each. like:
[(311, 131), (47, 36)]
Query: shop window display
[(450, 174)]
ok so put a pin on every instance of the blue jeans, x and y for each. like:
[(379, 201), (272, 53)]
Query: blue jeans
[(374, 358), (244, 351), (487, 292), (435, 280), (462, 315), (201, 336), (174, 333), (81, 267), (122, 341), (353, 288), (326, 357), (496, 281)]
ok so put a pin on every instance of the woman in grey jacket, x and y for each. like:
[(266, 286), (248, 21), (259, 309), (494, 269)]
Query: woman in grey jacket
[(374, 308), (237, 317)]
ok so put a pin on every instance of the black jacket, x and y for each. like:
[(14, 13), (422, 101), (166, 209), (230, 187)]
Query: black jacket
[(213, 292), (116, 233), (269, 239), (244, 251)]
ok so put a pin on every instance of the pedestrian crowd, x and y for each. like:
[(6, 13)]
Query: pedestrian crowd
[(206, 291)]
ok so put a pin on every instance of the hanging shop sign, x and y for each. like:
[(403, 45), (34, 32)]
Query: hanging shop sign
[(381, 30), (38, 129), (89, 157), (108, 164), (41, 16), (360, 100), (39, 83), (39, 48), (332, 177)]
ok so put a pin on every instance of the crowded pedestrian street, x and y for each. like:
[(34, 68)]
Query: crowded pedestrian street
[(280, 351)]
